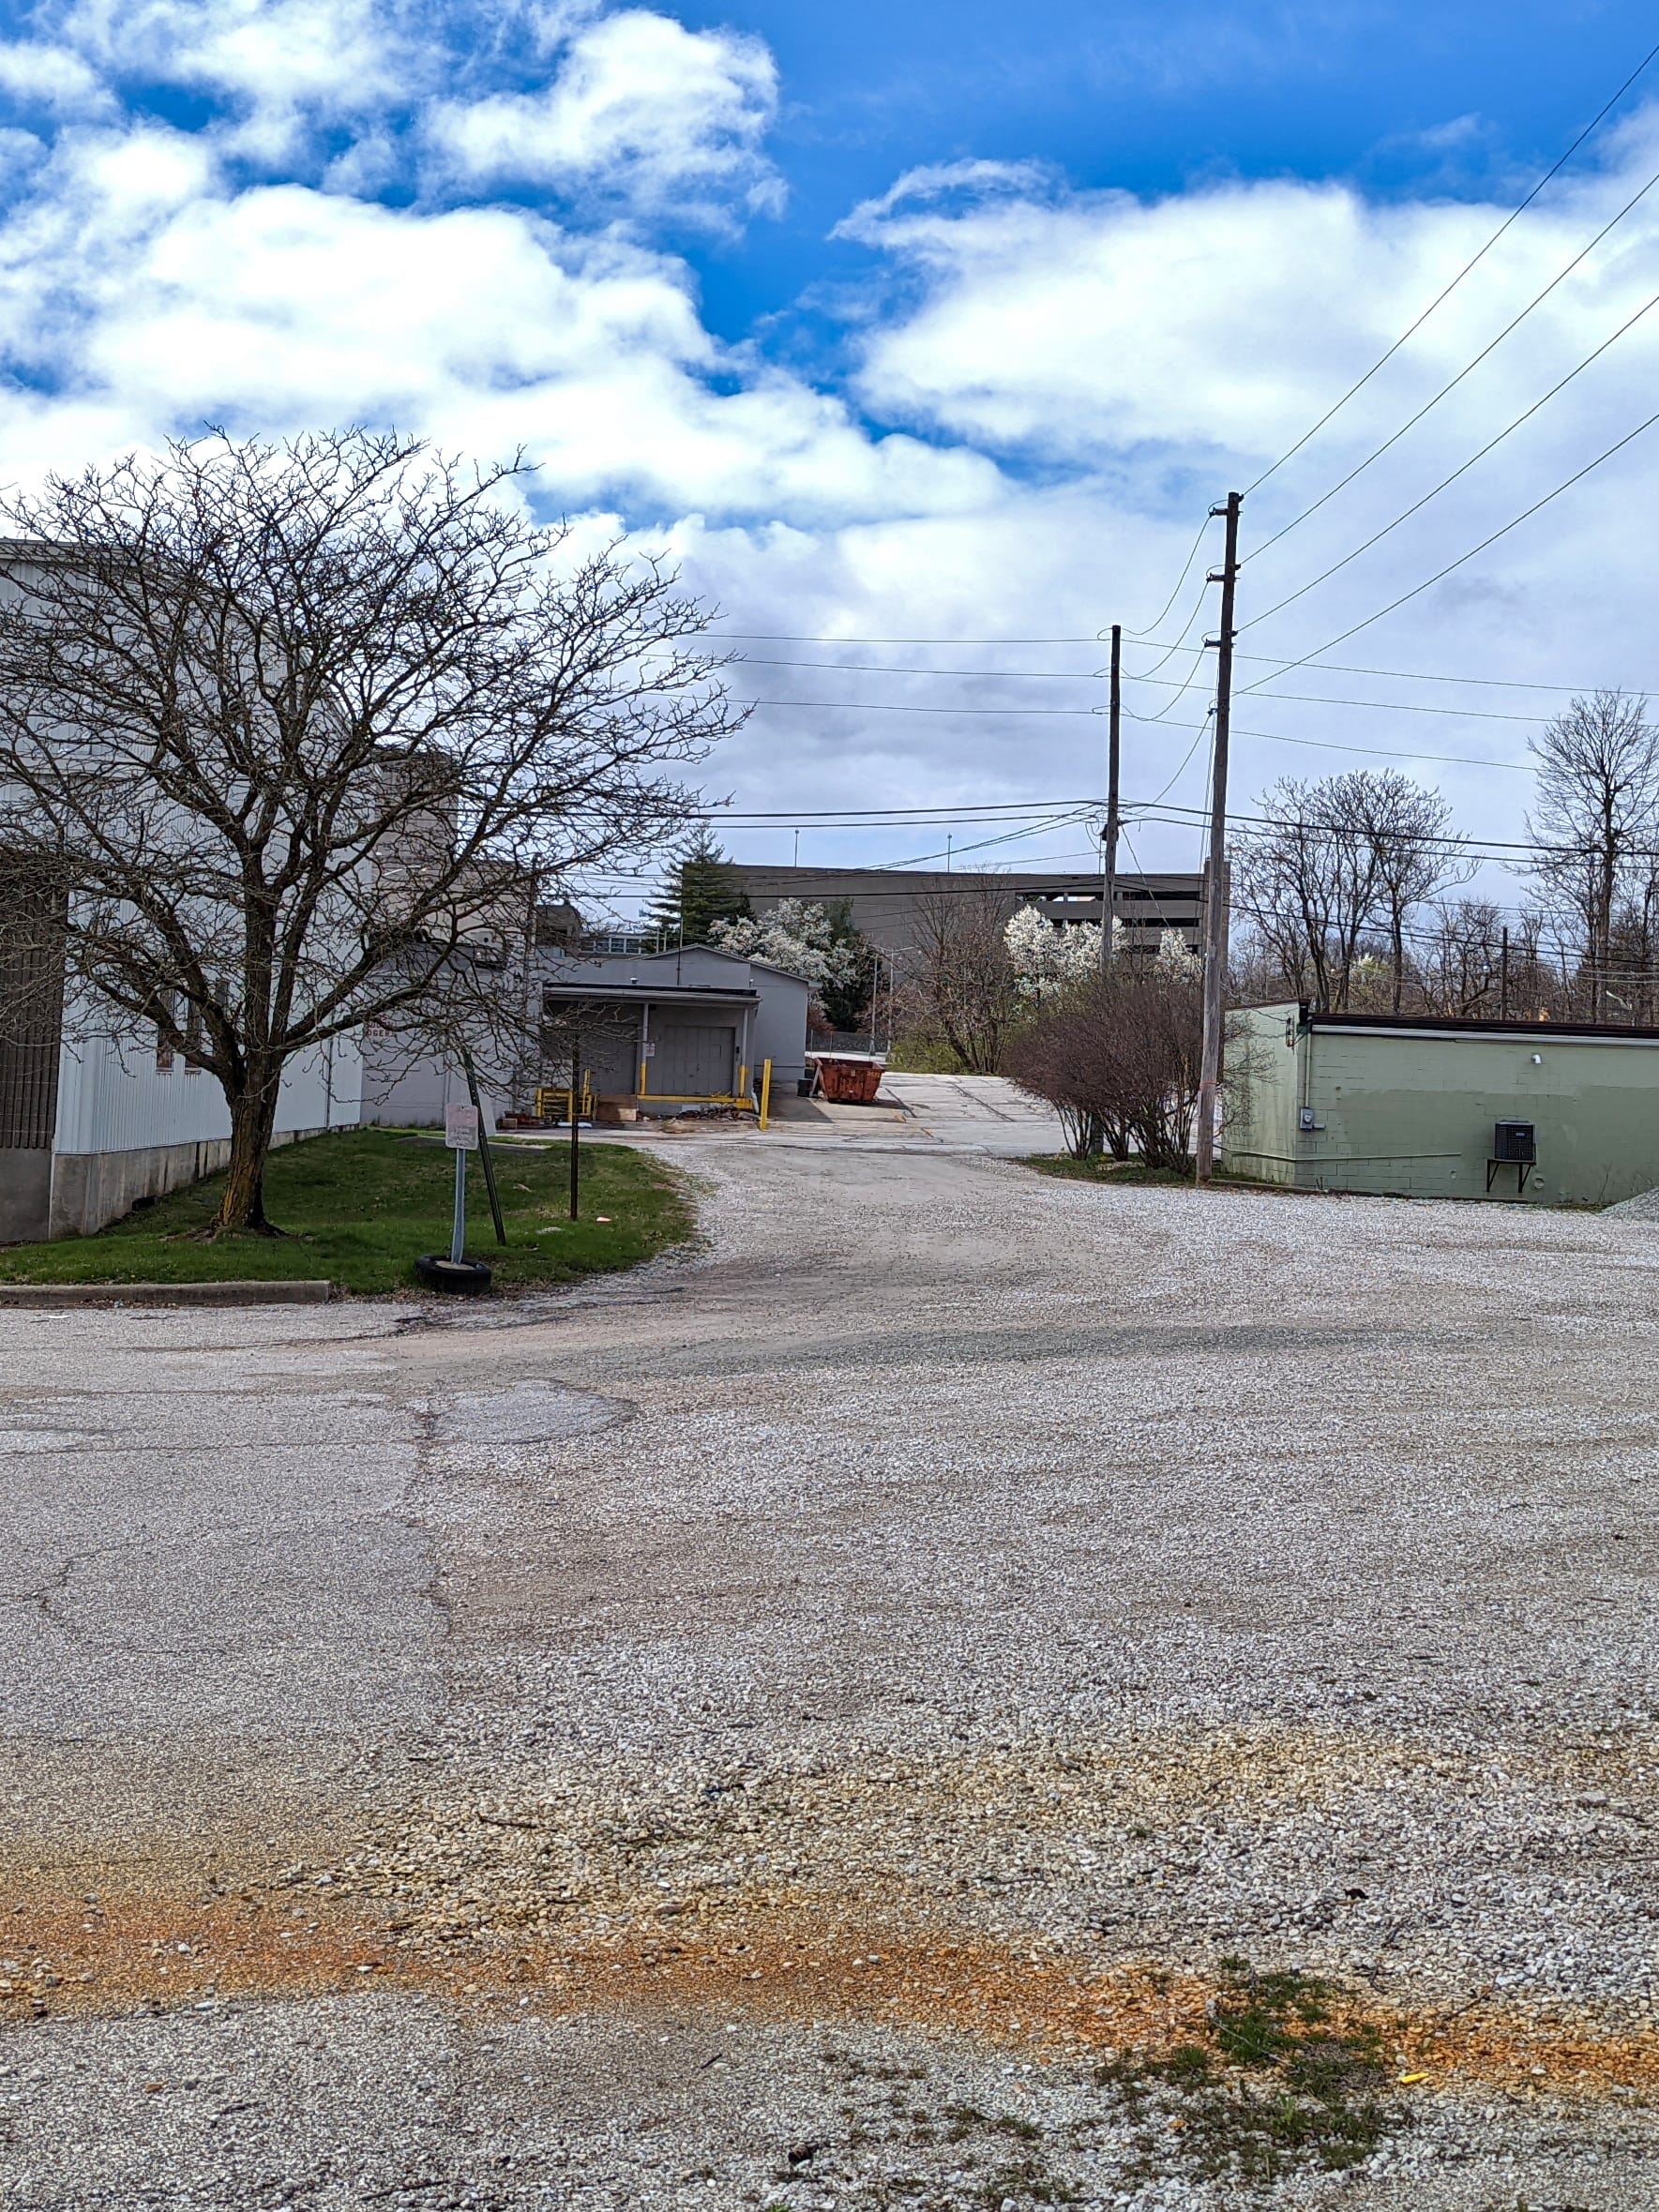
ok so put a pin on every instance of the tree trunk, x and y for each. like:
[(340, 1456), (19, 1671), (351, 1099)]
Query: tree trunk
[(253, 1117), (1397, 935)]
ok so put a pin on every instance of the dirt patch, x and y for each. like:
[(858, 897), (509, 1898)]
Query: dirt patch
[(72, 1956)]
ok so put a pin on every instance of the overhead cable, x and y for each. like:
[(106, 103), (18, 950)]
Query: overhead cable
[(1468, 367), (1526, 513), (1175, 594), (1440, 298)]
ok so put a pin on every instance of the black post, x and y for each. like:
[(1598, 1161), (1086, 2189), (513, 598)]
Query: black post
[(466, 1062), (1503, 978), (574, 1114)]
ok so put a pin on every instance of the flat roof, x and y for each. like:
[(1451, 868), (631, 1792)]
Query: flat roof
[(1470, 1025), (654, 994)]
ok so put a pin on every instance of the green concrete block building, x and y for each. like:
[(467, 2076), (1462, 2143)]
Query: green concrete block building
[(1410, 1105)]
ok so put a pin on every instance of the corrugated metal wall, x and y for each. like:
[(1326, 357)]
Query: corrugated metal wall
[(31, 1011)]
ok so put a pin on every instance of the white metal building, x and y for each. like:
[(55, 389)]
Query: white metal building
[(107, 1122)]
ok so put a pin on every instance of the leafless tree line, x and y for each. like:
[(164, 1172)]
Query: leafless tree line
[(1344, 890)]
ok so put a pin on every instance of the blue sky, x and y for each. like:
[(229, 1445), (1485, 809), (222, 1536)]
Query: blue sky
[(1149, 99), (913, 321)]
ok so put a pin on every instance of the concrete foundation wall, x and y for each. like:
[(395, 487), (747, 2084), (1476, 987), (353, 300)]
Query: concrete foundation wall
[(26, 1194), (89, 1190)]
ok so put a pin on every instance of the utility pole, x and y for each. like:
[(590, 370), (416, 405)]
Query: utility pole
[(1215, 887), (1504, 977), (1109, 859)]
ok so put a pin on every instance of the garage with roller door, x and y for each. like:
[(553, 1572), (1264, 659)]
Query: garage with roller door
[(658, 1031)]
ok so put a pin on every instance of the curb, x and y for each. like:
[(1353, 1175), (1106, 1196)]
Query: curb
[(97, 1294)]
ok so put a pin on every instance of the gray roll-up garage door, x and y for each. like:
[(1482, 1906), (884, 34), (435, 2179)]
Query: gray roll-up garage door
[(693, 1060)]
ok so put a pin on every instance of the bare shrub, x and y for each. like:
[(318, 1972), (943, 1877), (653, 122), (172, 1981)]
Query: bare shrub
[(1118, 1060)]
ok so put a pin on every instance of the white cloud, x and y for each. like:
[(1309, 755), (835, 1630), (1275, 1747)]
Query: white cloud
[(37, 74), (143, 281), (1049, 395), (937, 184), (640, 110), (339, 55)]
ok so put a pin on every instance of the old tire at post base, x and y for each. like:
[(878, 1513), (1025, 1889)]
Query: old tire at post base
[(458, 1278)]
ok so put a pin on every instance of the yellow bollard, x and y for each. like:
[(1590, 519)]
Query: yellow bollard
[(765, 1090)]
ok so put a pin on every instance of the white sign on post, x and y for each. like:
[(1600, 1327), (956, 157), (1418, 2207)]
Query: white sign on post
[(461, 1128)]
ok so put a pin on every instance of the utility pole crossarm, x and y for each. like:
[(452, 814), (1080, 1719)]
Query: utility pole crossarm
[(1215, 887)]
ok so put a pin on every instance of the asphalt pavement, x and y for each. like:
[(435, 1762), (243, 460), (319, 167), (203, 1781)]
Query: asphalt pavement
[(781, 1728)]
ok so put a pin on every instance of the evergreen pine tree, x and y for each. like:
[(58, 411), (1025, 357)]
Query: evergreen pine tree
[(699, 891)]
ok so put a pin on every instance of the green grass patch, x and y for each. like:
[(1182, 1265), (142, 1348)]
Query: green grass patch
[(360, 1205), (922, 1056), (1281, 2083)]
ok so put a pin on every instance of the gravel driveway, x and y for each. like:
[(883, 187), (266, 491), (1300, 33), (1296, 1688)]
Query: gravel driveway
[(811, 1723)]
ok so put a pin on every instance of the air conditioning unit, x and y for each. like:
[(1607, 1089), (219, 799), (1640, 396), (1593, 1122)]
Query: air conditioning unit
[(1514, 1141)]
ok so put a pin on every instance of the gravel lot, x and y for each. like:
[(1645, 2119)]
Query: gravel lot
[(772, 1730)]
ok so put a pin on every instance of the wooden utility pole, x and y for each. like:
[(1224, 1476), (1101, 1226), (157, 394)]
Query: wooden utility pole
[(1503, 978), (1109, 859), (1216, 872)]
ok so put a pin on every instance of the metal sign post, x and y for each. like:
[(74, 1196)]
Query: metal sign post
[(461, 1133)]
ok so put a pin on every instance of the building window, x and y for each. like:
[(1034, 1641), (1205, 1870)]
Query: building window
[(195, 1038), (166, 1022)]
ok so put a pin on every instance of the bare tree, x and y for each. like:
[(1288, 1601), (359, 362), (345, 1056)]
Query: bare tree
[(1460, 968), (1596, 812), (298, 723), (1406, 828), (961, 986), (1338, 862)]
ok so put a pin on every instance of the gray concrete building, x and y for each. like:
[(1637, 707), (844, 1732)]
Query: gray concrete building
[(894, 907)]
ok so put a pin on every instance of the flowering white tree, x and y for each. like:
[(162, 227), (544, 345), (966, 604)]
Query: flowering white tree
[(1174, 958), (1047, 958), (796, 934)]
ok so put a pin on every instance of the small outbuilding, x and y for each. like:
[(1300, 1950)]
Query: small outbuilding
[(1542, 1113), (686, 1027)]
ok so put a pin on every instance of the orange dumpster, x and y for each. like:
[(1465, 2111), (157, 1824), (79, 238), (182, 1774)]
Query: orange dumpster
[(848, 1080)]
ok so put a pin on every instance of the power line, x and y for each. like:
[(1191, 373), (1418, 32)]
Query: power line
[(1385, 706), (1526, 514), (1180, 683), (980, 845), (1337, 668), (1467, 370), (1186, 566), (870, 667), (1463, 469), (818, 818), (1198, 608), (799, 637), (1515, 215), (1200, 727), (849, 706), (1476, 847), (1091, 675), (1321, 745)]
